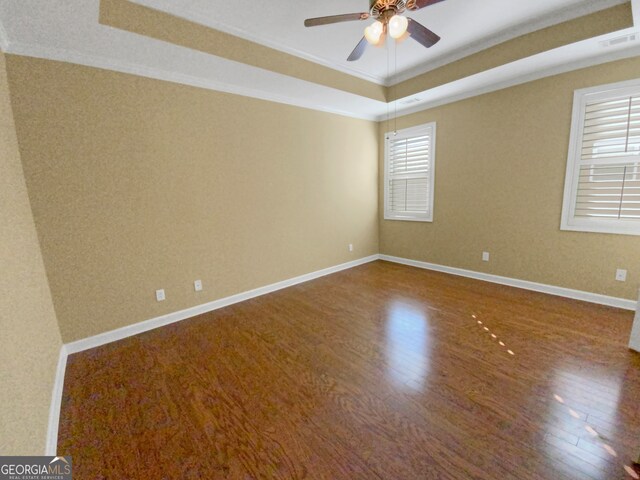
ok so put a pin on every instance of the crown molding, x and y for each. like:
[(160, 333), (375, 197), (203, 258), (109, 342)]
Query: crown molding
[(201, 18), (555, 18), (513, 81), (484, 82), (96, 61), (63, 55)]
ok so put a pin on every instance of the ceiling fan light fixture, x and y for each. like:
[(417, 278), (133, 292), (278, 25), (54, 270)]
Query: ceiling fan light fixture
[(398, 26), (388, 19), (373, 32)]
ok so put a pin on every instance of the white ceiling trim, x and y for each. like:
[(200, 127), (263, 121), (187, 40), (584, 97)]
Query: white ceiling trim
[(146, 57), (206, 21), (533, 25), (533, 68), (50, 53)]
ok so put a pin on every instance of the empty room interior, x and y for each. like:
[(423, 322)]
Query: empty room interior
[(338, 239)]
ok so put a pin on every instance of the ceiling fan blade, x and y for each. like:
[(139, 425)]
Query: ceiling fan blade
[(418, 4), (358, 51), (422, 34), (347, 17)]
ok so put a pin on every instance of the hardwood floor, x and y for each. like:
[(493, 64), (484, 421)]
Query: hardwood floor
[(378, 372)]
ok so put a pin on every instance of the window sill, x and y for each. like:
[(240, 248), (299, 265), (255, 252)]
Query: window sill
[(409, 219), (599, 228)]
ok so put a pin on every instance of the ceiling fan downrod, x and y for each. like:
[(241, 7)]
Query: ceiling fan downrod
[(386, 8)]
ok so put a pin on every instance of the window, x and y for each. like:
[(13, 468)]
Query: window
[(409, 169), (602, 185)]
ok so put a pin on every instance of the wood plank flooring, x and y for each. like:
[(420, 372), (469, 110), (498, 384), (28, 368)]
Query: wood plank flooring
[(379, 372)]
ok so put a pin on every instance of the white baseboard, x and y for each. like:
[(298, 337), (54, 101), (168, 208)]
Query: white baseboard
[(56, 401), (130, 330), (514, 282)]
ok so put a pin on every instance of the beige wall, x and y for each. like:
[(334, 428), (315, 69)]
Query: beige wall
[(138, 184), (501, 160), (30, 338)]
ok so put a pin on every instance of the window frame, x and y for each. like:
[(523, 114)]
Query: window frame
[(408, 132), (568, 220)]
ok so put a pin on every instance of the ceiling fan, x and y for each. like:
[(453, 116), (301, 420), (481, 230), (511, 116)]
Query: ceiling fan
[(388, 19)]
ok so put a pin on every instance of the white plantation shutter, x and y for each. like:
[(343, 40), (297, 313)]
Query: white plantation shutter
[(409, 168), (611, 128), (608, 191), (604, 162)]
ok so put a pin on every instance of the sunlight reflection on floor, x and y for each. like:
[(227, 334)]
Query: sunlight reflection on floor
[(566, 378), (408, 345), (561, 379)]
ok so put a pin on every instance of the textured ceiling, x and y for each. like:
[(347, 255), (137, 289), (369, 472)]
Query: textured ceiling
[(464, 25), (172, 48)]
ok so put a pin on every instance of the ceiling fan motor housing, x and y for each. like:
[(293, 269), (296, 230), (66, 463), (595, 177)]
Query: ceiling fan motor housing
[(385, 9)]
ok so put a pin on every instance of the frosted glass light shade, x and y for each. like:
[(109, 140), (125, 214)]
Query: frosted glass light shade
[(373, 32), (398, 26)]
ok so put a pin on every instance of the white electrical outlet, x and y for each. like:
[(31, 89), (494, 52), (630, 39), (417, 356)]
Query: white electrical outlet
[(485, 256), (621, 275), (351, 247), (160, 295), (197, 285)]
